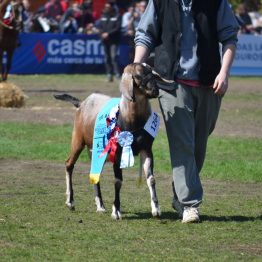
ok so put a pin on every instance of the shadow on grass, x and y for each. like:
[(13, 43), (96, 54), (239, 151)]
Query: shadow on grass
[(204, 218), (229, 218)]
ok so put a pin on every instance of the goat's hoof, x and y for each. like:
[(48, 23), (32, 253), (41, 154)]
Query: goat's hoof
[(156, 212), (101, 209), (99, 205), (116, 215), (71, 206)]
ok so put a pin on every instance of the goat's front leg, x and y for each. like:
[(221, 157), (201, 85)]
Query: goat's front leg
[(116, 214), (148, 164)]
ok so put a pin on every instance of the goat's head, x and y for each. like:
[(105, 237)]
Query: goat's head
[(138, 80)]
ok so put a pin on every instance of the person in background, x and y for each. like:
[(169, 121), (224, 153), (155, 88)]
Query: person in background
[(185, 35), (53, 13), (128, 30), (110, 33), (65, 5), (244, 20), (86, 19), (69, 22), (254, 10)]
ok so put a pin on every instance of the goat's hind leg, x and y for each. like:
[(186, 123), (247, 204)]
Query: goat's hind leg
[(147, 161), (98, 199), (76, 148)]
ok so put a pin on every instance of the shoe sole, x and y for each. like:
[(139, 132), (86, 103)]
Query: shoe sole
[(193, 220)]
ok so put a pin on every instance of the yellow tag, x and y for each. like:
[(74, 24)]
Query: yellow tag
[(94, 178)]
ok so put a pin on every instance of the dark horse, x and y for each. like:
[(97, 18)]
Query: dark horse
[(9, 35)]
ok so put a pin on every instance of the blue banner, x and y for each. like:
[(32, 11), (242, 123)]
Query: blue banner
[(43, 53)]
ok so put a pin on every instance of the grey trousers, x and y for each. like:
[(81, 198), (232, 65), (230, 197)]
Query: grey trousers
[(190, 115)]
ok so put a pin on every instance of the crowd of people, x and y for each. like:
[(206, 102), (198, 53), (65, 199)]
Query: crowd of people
[(249, 17), (78, 16)]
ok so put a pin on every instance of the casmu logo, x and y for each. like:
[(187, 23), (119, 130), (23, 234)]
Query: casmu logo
[(74, 47)]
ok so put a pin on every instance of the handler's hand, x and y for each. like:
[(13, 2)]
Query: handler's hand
[(221, 84)]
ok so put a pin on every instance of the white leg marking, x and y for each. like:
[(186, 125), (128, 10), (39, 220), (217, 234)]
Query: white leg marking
[(99, 207), (116, 215), (68, 193), (154, 207)]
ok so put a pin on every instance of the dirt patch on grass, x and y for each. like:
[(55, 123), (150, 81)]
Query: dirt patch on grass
[(248, 249), (238, 116)]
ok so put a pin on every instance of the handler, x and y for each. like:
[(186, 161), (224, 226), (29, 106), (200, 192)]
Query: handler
[(186, 36)]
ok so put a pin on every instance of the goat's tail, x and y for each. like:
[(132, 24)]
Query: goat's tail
[(68, 98)]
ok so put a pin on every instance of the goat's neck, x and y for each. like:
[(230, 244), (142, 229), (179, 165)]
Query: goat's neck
[(134, 114)]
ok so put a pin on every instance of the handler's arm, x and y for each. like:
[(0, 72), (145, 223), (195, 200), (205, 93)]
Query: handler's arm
[(227, 28), (146, 34), (221, 82), (141, 54)]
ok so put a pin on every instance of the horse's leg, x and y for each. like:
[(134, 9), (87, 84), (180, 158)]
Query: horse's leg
[(98, 198), (77, 145), (116, 214), (148, 164), (9, 55)]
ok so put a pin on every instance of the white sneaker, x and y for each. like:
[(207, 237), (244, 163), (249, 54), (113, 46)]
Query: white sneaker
[(190, 215)]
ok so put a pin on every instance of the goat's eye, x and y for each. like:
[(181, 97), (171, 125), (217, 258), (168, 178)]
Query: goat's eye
[(138, 77)]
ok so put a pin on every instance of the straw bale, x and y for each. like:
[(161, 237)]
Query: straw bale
[(11, 95)]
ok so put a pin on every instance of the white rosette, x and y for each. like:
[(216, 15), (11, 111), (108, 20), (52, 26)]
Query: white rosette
[(125, 140)]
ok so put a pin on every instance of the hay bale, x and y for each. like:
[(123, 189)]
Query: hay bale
[(11, 95)]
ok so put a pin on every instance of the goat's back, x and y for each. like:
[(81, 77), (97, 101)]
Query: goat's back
[(86, 116)]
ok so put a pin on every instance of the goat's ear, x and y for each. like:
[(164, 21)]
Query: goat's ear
[(127, 86)]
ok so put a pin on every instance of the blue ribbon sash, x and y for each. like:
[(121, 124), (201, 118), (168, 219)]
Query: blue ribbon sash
[(100, 140)]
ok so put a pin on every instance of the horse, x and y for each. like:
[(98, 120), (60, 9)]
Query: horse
[(9, 31)]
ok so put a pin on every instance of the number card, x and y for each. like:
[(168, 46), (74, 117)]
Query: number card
[(152, 124)]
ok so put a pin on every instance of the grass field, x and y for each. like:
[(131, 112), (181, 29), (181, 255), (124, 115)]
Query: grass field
[(35, 225)]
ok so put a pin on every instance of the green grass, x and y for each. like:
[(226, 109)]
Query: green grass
[(35, 225), (234, 159)]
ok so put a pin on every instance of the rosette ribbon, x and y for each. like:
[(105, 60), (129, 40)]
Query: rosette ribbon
[(125, 140)]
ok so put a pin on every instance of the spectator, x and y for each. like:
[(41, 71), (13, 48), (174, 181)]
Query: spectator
[(139, 10), (90, 29), (69, 20), (128, 30), (53, 13), (244, 19), (86, 19), (110, 32), (253, 7), (65, 5)]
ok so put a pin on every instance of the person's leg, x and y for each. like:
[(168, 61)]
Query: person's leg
[(108, 62), (114, 49), (206, 115), (178, 111)]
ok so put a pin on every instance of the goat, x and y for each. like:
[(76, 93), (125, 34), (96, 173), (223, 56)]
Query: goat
[(137, 86)]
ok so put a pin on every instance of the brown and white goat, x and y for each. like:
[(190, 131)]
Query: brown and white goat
[(137, 86)]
